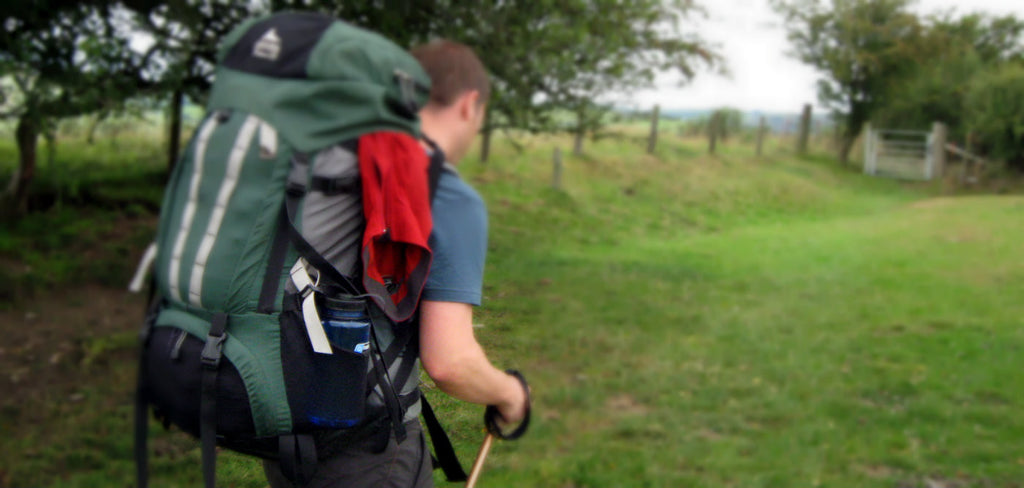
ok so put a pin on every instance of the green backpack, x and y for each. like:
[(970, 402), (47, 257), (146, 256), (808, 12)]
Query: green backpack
[(262, 336)]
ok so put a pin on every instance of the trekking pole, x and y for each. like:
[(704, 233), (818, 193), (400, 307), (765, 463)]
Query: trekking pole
[(493, 430), (478, 465)]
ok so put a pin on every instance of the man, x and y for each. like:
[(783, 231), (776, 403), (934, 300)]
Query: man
[(448, 349)]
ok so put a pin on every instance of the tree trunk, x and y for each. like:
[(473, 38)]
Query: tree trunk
[(485, 145), (485, 141), (51, 148), (174, 132), (855, 121), (16, 197), (90, 137), (580, 129), (844, 150)]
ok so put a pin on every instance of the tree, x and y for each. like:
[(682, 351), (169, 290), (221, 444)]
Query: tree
[(608, 46), (62, 59), (863, 48), (185, 35), (957, 50), (994, 39), (544, 54), (996, 102), (539, 52)]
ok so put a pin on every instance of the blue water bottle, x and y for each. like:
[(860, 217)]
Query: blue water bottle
[(337, 398), (347, 324)]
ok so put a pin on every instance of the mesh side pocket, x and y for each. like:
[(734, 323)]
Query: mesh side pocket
[(325, 391)]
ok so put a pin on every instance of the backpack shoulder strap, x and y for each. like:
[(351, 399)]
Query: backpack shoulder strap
[(435, 168), (443, 450)]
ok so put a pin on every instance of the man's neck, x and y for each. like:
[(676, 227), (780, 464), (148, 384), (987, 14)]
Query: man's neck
[(432, 127)]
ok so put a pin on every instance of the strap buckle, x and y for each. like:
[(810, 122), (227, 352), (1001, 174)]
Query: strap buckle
[(212, 350), (309, 290), (407, 85), (336, 186), (295, 190)]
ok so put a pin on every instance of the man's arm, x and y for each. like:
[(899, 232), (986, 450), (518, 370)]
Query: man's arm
[(457, 364)]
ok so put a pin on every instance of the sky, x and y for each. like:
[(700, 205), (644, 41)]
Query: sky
[(763, 77)]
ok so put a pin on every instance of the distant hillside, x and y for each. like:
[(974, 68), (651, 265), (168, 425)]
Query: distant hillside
[(778, 122)]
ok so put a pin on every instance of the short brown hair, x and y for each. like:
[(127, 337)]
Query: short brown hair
[(454, 69)]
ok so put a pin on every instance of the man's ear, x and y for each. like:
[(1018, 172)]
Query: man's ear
[(467, 104)]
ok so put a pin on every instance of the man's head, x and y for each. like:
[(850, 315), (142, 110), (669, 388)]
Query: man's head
[(460, 89)]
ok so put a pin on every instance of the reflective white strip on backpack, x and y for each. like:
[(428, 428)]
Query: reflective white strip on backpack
[(268, 141), (227, 188), (190, 208), (314, 327), (143, 269)]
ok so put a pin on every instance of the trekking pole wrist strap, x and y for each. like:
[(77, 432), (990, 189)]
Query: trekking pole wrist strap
[(491, 414)]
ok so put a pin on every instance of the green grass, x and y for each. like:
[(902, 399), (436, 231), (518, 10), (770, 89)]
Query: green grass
[(829, 353), (92, 213), (688, 320), (702, 321)]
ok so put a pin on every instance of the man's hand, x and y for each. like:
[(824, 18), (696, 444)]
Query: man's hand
[(513, 410)]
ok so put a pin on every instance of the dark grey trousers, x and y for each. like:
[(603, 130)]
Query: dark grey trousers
[(407, 465)]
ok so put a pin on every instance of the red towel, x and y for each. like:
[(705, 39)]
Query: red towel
[(396, 202)]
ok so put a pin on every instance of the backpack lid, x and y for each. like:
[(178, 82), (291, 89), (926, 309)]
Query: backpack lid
[(318, 80)]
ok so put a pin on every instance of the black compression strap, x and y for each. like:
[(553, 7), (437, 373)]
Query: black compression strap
[(404, 373), (211, 357), (391, 400), (443, 449), (275, 265), (491, 414), (336, 186), (405, 334), (142, 391), (297, 458)]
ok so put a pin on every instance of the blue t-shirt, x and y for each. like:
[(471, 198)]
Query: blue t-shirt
[(458, 241)]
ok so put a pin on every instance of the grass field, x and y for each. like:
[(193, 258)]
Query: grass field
[(684, 320)]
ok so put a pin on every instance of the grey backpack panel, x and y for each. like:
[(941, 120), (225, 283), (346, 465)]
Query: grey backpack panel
[(333, 223)]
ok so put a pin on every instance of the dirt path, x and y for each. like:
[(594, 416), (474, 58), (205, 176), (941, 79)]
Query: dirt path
[(54, 344)]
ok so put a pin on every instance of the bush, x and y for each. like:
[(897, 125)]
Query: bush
[(995, 106)]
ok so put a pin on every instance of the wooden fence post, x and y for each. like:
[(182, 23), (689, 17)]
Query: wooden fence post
[(713, 131), (760, 135), (556, 178), (653, 140), (805, 131), (938, 150)]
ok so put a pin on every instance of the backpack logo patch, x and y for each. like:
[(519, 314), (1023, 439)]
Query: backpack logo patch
[(268, 47)]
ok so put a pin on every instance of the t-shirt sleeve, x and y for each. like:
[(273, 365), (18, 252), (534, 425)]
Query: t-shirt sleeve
[(458, 242)]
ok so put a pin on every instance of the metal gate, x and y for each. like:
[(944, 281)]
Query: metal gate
[(901, 154)]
